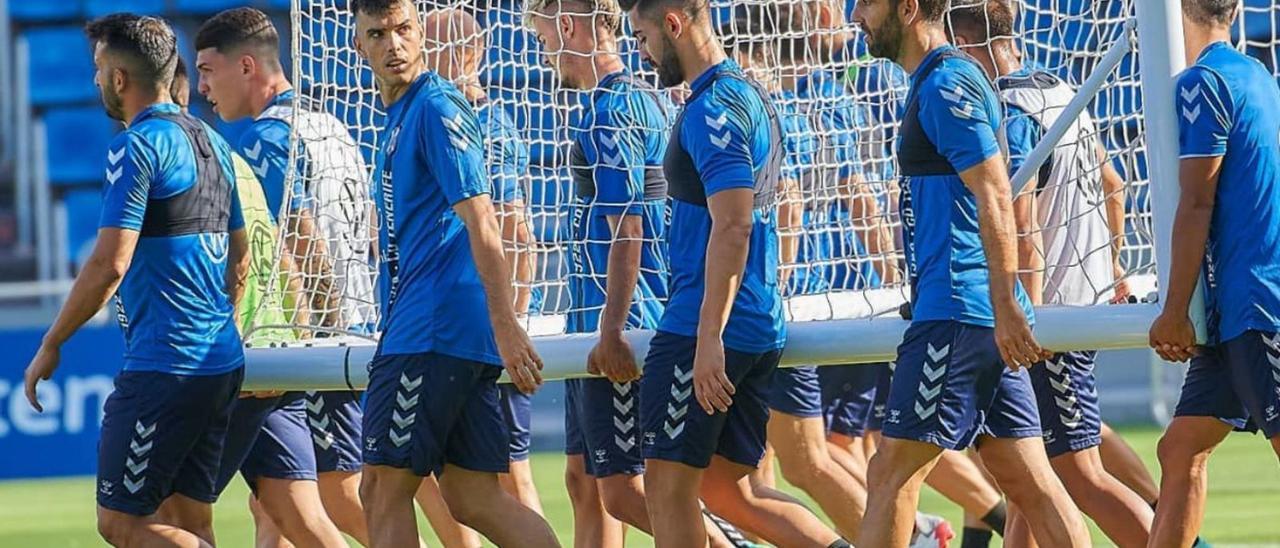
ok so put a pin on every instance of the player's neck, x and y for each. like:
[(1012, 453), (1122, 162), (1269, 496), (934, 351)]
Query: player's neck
[(132, 104), (264, 94), (394, 91), (702, 52), (605, 64), (917, 45), (1006, 61), (1200, 37)]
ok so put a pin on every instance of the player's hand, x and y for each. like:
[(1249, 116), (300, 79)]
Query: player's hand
[(1173, 337), (261, 394), (613, 358), (41, 369), (710, 383), (1121, 289), (521, 361), (1018, 347)]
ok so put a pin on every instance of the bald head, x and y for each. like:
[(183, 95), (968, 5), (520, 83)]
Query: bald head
[(455, 44)]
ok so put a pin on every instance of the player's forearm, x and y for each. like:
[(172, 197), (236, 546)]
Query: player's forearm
[(727, 250), (1113, 187), (623, 272), (1031, 263), (311, 254), (491, 263), (89, 293), (519, 242), (790, 221), (237, 267), (1191, 227), (999, 242)]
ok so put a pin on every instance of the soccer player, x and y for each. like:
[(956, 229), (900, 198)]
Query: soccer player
[(172, 247), (721, 334), (1227, 125), (1066, 257), (959, 377), (448, 321), (311, 449)]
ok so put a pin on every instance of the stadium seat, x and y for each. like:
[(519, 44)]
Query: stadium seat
[(60, 67), (84, 207), (76, 139), (204, 7), (98, 8), (43, 10)]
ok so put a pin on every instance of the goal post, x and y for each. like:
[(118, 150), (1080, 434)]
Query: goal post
[(854, 323)]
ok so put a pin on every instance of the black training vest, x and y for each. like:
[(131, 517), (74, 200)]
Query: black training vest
[(684, 181), (203, 208), (917, 155), (584, 172)]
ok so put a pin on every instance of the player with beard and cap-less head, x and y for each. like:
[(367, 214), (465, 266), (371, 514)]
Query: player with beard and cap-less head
[(449, 327), (172, 248), (959, 376), (706, 383)]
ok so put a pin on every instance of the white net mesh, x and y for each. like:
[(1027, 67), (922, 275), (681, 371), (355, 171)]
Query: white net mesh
[(839, 214)]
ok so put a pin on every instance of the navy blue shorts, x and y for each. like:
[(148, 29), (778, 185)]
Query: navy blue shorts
[(677, 429), (423, 411), (1238, 382), (334, 419), (848, 392), (163, 434), (950, 386), (796, 392), (884, 379), (517, 413), (1067, 393), (601, 423), (268, 438)]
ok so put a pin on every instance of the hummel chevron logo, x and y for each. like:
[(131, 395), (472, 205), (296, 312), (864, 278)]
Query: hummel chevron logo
[(1272, 341), (255, 151), (1061, 387), (113, 175), (671, 431), (261, 168), (133, 486), (1191, 114), (929, 393), (1067, 404), (721, 141), (455, 131), (938, 355), (315, 406), (144, 432), (612, 160), (114, 156), (1055, 366), (1190, 95), (1071, 421), (622, 388), (401, 420), (609, 142), (624, 445), (681, 395), (717, 124), (399, 439), (956, 96), (410, 384), (677, 414), (683, 376), (624, 427), (966, 112), (323, 442), (406, 403), (623, 407), (926, 412), (935, 373), (322, 424), (136, 468), (140, 450)]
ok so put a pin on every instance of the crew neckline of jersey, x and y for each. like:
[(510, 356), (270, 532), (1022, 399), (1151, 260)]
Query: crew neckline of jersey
[(413, 90), (929, 59), (1219, 44), (156, 108), (703, 80), (605, 82)]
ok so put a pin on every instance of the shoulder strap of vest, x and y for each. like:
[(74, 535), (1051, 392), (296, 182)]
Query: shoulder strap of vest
[(1035, 80)]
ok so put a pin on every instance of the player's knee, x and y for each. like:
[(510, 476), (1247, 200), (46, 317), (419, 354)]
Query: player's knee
[(1180, 449), (119, 529), (622, 501), (579, 485), (806, 471), (467, 507)]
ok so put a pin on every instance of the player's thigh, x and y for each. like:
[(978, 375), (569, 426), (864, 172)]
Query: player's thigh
[(745, 428), (284, 449), (479, 440), (674, 427), (1254, 361), (1207, 391)]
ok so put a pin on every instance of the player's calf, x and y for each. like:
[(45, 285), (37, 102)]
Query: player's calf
[(1021, 468), (1184, 452), (478, 501), (623, 497)]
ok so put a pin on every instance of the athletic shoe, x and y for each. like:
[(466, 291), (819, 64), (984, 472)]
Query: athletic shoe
[(931, 532)]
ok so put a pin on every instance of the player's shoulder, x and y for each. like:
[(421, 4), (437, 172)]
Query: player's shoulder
[(441, 97), (730, 96), (956, 70), (269, 132)]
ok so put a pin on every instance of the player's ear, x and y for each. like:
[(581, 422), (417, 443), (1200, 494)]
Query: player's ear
[(908, 11), (119, 80), (248, 65), (564, 23), (673, 24)]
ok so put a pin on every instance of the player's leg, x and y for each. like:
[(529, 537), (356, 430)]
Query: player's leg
[(776, 517), (265, 532), (295, 509), (384, 491), (608, 419), (334, 418), (592, 525), (958, 478), (806, 464), (161, 438), (1022, 470), (451, 533), (518, 481), (477, 500), (1120, 460), (765, 474), (340, 494)]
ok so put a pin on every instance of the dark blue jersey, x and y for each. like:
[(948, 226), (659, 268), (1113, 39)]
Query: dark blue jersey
[(1229, 106), (171, 178), (506, 154), (616, 163), (950, 124), (430, 156), (727, 137)]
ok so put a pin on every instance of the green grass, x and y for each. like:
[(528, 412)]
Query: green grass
[(1244, 502)]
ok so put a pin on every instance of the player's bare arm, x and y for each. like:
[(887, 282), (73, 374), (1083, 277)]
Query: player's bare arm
[(612, 355), (311, 255), (1172, 335), (1031, 264), (518, 356), (989, 183), (97, 281), (237, 266), (727, 247), (1114, 193)]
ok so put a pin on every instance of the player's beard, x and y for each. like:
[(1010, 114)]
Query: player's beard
[(668, 67), (886, 41), (113, 104)]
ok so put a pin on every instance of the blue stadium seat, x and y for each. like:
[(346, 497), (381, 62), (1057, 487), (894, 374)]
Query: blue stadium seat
[(43, 10), (61, 66), (76, 139), (204, 7), (98, 8), (279, 4), (84, 208)]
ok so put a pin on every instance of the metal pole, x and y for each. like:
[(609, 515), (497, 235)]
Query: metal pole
[(43, 210), (23, 136)]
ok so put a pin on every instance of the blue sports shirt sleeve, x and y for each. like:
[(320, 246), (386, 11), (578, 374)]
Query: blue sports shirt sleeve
[(1204, 113), (131, 166), (618, 161), (452, 145), (717, 138), (509, 156), (956, 112), (265, 146), (1022, 133)]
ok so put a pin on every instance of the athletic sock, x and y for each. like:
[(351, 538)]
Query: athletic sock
[(730, 532), (840, 543), (995, 519), (976, 538)]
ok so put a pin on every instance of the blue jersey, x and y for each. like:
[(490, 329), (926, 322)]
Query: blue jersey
[(837, 118), (616, 164), (430, 156), (506, 154), (727, 137), (1229, 106), (950, 124), (799, 137), (171, 178), (265, 145)]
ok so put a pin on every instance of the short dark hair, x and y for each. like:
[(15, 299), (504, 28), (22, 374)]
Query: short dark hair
[(695, 9), (146, 44), (982, 20), (749, 31), (1210, 12), (240, 28), (930, 10), (373, 7), (180, 87)]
